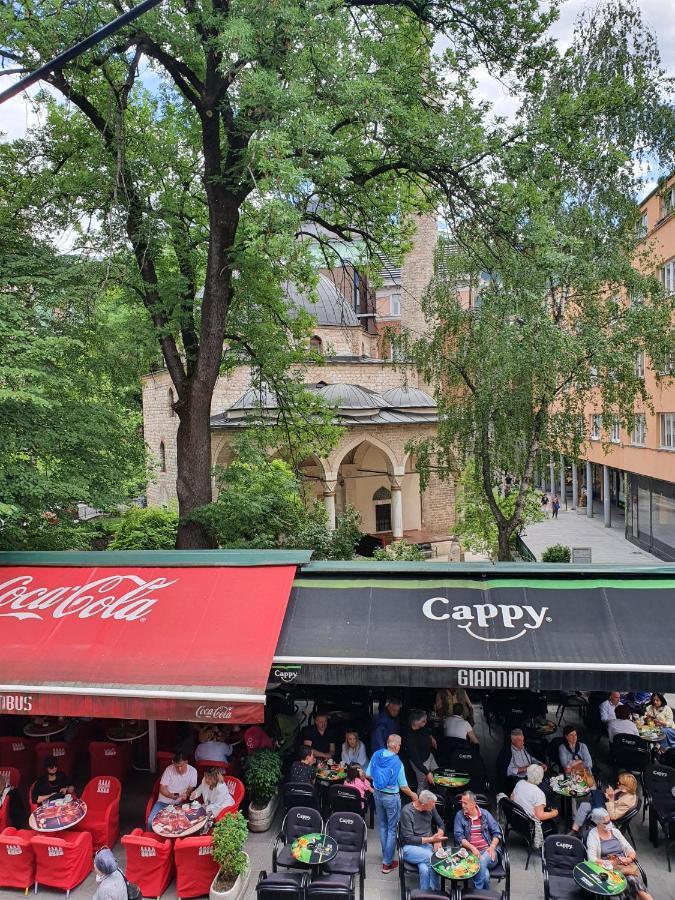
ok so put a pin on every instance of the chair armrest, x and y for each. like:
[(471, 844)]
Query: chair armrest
[(362, 861), (279, 842)]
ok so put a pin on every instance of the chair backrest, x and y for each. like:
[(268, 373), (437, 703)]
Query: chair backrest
[(658, 779), (301, 820), (342, 798), (108, 758), (201, 765), (274, 888), (101, 791), (348, 829), (146, 839), (12, 774), (195, 866), (17, 752), (561, 853), (236, 788), (61, 751), (516, 817), (299, 794), (630, 752)]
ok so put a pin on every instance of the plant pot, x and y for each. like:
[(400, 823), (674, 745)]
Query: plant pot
[(260, 818), (238, 889)]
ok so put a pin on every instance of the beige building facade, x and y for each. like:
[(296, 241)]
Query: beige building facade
[(381, 405)]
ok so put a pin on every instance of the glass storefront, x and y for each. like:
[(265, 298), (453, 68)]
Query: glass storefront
[(650, 520)]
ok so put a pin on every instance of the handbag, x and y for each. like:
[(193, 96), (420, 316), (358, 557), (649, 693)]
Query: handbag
[(133, 890), (625, 868)]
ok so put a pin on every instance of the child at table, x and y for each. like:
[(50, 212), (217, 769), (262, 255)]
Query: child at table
[(355, 778)]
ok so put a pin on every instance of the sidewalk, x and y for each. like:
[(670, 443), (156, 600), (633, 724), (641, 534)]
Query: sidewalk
[(608, 545)]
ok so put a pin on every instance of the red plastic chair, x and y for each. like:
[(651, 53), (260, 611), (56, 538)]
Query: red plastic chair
[(62, 862), (150, 862), (62, 752), (237, 790), (17, 753), (102, 796), (163, 758), (203, 764), (14, 779), (154, 794), (17, 859), (32, 806), (110, 759), (195, 867)]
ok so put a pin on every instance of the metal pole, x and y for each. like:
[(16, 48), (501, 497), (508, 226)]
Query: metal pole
[(551, 472), (589, 489), (606, 508), (575, 485), (152, 744), (68, 55), (562, 481)]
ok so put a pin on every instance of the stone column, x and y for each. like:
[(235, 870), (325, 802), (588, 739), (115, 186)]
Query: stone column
[(575, 486), (562, 480), (606, 508), (551, 472), (589, 489), (329, 501), (396, 509)]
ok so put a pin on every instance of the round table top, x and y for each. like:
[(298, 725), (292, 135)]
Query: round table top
[(314, 849), (121, 734), (545, 728), (454, 864), (588, 875), (32, 729), (569, 786), (651, 733), (179, 821), (58, 815), (450, 778), (337, 772)]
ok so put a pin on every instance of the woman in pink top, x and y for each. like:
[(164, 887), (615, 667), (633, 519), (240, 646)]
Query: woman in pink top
[(356, 778)]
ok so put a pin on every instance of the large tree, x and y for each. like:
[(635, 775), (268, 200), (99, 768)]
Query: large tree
[(542, 311), (202, 139)]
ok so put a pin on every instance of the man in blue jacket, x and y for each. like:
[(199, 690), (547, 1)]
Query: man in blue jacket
[(386, 772), (385, 723), (477, 831)]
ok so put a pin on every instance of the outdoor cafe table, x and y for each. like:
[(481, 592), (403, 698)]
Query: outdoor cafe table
[(314, 849), (180, 821), (450, 864), (331, 774), (448, 778), (129, 732), (45, 729), (57, 815), (589, 876), (651, 733), (542, 728), (570, 788)]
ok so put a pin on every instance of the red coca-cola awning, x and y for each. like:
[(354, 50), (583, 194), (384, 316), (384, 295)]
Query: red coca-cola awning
[(189, 640)]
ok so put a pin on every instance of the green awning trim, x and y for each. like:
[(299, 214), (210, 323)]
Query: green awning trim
[(154, 558)]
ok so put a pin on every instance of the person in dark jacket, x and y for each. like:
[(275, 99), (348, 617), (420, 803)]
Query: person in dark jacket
[(303, 770), (54, 783), (419, 745), (385, 724), (476, 830)]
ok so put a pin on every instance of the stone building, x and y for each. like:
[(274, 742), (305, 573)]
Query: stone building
[(382, 406)]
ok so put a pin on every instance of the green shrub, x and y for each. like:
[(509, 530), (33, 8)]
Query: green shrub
[(229, 838), (556, 553), (262, 776), (146, 529), (400, 550)]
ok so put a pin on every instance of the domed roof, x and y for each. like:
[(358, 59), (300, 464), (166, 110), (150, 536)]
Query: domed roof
[(407, 397), (254, 398), (351, 396), (330, 308)]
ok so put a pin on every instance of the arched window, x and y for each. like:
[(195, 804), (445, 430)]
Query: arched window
[(316, 344), (172, 411), (382, 501), (382, 493), (162, 457)]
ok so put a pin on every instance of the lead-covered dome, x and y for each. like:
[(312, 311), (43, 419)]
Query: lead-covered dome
[(330, 308)]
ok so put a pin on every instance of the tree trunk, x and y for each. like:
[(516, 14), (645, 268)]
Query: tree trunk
[(193, 484), (504, 542)]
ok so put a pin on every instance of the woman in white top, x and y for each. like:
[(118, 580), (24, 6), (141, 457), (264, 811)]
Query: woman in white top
[(659, 711), (456, 726), (530, 797), (622, 724), (214, 792), (606, 845), (354, 751), (210, 747)]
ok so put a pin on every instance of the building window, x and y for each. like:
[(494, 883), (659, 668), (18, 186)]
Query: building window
[(162, 457), (395, 305), (382, 500), (668, 431), (668, 201), (316, 344), (669, 364), (643, 228), (615, 431), (668, 277), (640, 365), (638, 435), (596, 426), (172, 411)]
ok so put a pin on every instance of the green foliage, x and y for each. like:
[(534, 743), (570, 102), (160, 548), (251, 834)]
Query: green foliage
[(40, 533), (556, 553), (262, 776), (399, 550), (146, 529), (229, 839)]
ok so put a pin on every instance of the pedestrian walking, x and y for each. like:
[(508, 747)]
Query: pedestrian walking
[(385, 770), (555, 506), (544, 505), (111, 883)]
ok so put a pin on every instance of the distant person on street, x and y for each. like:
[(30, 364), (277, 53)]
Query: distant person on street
[(555, 506), (544, 505)]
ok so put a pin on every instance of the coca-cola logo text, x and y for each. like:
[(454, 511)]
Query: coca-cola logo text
[(214, 712), (121, 597)]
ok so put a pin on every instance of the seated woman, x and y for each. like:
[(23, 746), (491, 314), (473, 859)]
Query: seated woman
[(659, 712), (606, 844), (618, 801), (573, 755), (211, 747), (213, 791), (623, 723), (52, 784), (532, 800), (354, 750), (356, 779)]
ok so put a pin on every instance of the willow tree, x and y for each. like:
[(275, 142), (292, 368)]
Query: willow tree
[(205, 138), (535, 311)]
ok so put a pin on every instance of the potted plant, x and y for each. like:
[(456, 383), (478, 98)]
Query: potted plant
[(262, 778), (229, 837)]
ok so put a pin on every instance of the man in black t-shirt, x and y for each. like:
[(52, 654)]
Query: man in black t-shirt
[(319, 737), (52, 783)]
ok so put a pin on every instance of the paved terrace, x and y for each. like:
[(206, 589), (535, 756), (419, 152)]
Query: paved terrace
[(524, 885)]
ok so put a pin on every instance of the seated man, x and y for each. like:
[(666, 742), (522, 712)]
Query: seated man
[(520, 759), (303, 770), (621, 723), (319, 737), (477, 830), (456, 726), (176, 785), (608, 707), (52, 784), (532, 800), (421, 831)]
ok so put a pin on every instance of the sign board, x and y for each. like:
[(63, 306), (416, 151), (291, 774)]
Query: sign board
[(581, 556)]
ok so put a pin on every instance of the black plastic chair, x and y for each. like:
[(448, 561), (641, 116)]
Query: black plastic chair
[(468, 759), (473, 894), (342, 798), (297, 821), (516, 819), (349, 831), (657, 780), (668, 758), (299, 793), (560, 854), (630, 753), (623, 824), (331, 887), (663, 810), (572, 700), (424, 895), (282, 885)]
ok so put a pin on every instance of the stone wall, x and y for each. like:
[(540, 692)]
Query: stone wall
[(416, 274), (438, 506)]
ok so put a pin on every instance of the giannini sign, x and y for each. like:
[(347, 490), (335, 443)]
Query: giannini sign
[(483, 621)]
